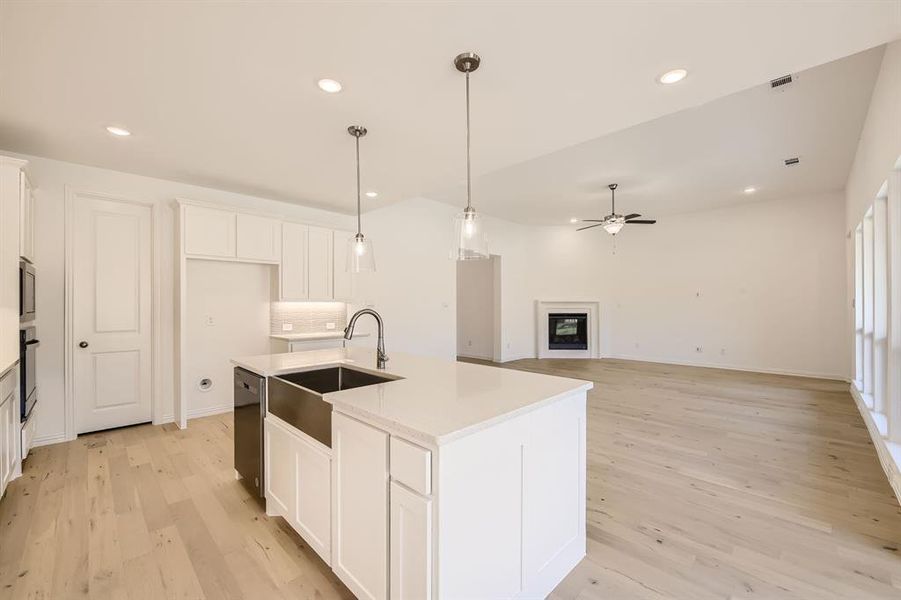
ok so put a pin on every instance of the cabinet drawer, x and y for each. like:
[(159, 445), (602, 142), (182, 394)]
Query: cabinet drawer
[(411, 465)]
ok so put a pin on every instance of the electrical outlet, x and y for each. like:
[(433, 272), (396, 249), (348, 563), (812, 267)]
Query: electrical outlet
[(698, 349), (287, 326), (722, 352), (329, 326), (210, 321), (469, 343)]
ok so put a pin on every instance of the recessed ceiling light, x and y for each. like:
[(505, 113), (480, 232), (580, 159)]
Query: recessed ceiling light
[(372, 194), (674, 76), (329, 85), (750, 189), (118, 131), (574, 220)]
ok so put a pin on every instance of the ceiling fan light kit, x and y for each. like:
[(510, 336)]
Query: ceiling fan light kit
[(613, 222)]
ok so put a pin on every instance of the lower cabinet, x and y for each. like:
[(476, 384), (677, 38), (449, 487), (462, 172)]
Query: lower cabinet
[(411, 544), (360, 492), (298, 484), (9, 431)]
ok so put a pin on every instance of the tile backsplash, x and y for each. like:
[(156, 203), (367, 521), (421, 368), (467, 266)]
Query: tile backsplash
[(307, 317)]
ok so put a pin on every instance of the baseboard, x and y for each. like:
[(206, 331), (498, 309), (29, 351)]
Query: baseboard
[(194, 413), (707, 365), (474, 356), (47, 440), (889, 464)]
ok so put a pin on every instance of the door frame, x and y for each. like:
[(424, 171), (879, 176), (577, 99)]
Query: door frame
[(157, 410)]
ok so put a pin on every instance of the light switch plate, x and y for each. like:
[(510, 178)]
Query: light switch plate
[(287, 326)]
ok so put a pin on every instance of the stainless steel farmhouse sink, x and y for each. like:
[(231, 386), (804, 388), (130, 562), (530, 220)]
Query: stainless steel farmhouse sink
[(297, 398)]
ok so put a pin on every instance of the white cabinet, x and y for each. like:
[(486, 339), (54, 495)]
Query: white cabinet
[(26, 218), (320, 263), (411, 544), (209, 231), (259, 238), (10, 205), (9, 432), (360, 507), (293, 272), (343, 279)]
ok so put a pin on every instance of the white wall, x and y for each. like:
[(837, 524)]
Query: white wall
[(227, 316), (50, 178), (759, 286), (880, 140), (475, 308)]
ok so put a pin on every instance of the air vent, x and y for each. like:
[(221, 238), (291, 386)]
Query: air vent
[(792, 161), (781, 81)]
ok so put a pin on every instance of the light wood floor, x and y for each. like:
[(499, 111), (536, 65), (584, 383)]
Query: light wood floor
[(702, 484)]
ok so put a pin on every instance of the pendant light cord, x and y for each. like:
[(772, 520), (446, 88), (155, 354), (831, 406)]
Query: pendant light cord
[(359, 225), (468, 175)]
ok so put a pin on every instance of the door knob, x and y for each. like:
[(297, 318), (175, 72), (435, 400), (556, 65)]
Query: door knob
[(82, 344)]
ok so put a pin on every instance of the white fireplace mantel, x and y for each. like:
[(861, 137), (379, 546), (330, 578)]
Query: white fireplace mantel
[(590, 307)]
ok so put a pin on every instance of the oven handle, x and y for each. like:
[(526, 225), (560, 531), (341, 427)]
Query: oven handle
[(32, 342)]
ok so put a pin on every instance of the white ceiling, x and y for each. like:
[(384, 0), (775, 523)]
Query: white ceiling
[(701, 157), (224, 94)]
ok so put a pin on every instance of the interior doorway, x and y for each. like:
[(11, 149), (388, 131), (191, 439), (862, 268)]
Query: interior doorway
[(478, 309)]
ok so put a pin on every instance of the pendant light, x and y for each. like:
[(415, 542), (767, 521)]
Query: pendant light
[(470, 241), (360, 256)]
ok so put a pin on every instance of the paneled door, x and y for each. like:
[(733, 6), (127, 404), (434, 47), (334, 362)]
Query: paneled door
[(111, 299)]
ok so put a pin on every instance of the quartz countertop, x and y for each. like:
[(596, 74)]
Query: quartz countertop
[(432, 400), (321, 335)]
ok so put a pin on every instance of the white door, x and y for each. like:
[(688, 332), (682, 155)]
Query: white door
[(411, 544), (319, 263), (111, 299)]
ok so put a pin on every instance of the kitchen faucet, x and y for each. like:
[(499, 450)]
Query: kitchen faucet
[(349, 332)]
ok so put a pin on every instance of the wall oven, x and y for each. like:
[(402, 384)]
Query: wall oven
[(26, 292), (28, 347)]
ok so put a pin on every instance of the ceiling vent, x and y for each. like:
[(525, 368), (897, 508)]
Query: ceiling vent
[(792, 161), (781, 84)]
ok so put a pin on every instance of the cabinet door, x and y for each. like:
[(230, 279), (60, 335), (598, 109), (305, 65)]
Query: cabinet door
[(13, 436), (343, 278), (280, 472), (10, 182), (314, 497), (26, 218), (319, 263), (209, 231), (293, 270), (360, 507), (5, 435), (259, 238), (411, 545)]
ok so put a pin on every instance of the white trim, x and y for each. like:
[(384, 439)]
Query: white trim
[(889, 453), (195, 413), (46, 440), (728, 367), (156, 387)]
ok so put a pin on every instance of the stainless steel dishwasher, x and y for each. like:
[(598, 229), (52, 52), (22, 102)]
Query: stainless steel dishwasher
[(250, 408)]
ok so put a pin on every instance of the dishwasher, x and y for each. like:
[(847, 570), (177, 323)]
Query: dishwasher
[(250, 408)]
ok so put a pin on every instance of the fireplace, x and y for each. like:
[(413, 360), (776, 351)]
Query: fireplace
[(567, 331)]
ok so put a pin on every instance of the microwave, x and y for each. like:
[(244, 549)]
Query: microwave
[(26, 292)]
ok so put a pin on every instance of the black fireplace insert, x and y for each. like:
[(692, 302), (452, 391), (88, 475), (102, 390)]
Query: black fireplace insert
[(567, 331)]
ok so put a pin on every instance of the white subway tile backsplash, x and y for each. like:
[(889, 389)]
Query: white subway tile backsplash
[(307, 317)]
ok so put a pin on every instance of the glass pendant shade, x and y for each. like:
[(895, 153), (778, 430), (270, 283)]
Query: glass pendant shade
[(470, 239), (360, 255)]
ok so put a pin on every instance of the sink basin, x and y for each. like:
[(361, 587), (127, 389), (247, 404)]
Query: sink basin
[(297, 398), (333, 379)]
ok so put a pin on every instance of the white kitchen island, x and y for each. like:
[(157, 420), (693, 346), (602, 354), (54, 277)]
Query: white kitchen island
[(453, 480)]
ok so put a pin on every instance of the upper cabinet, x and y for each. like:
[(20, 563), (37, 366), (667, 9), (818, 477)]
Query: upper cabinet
[(259, 238), (343, 279), (320, 263), (209, 232), (26, 218), (11, 170), (293, 273)]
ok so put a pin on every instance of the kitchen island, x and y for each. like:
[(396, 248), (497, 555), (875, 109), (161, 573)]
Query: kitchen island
[(438, 479)]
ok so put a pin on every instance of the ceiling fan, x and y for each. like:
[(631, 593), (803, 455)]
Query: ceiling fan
[(613, 222)]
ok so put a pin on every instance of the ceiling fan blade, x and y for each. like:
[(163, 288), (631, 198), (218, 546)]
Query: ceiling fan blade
[(642, 221), (589, 227), (632, 216), (593, 220)]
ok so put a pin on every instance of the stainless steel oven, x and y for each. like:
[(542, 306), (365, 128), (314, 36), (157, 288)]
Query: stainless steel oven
[(26, 292), (28, 350)]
